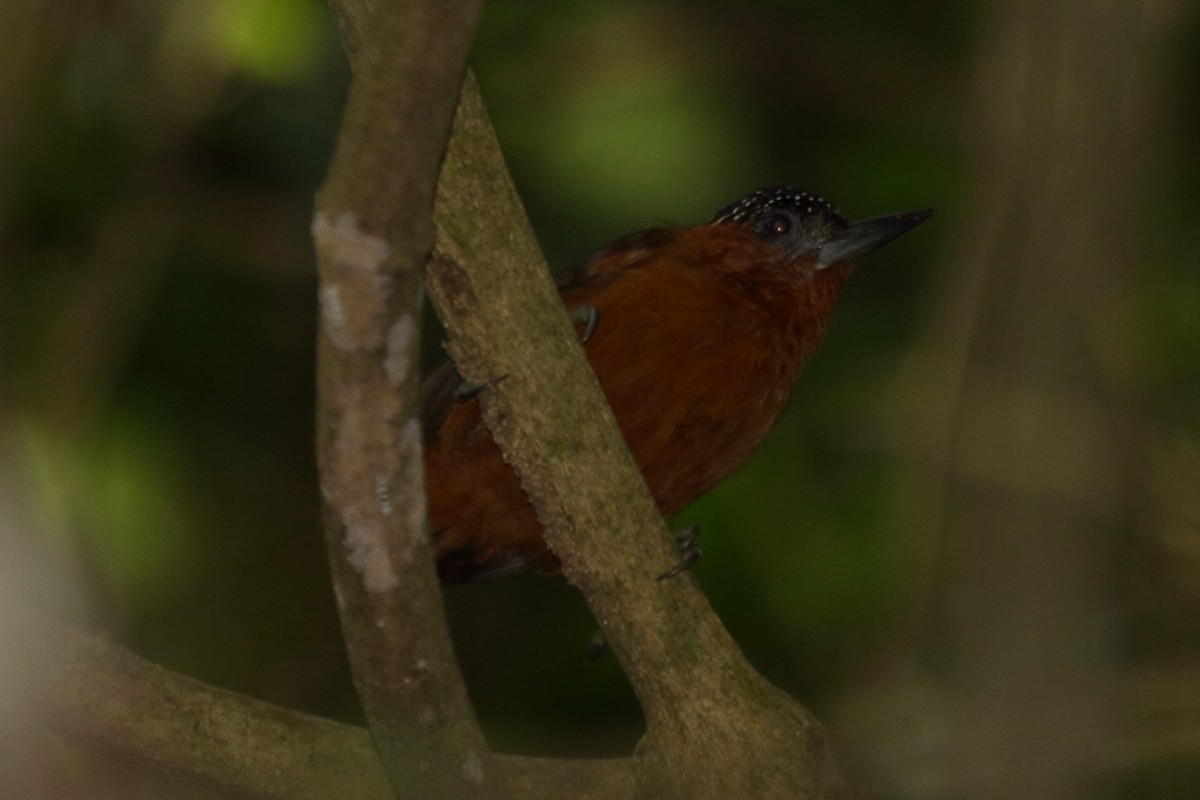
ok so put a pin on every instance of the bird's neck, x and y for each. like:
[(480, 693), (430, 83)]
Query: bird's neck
[(790, 303)]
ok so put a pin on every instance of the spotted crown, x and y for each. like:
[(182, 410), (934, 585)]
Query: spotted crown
[(753, 206)]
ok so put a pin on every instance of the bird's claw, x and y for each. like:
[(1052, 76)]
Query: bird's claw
[(689, 553), (588, 317), (598, 645), (469, 391)]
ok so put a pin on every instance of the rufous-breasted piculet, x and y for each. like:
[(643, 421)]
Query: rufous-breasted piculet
[(696, 336)]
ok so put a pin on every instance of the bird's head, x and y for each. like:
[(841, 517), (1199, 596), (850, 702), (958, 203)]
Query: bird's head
[(804, 231)]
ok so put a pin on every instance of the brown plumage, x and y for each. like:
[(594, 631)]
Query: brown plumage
[(701, 334)]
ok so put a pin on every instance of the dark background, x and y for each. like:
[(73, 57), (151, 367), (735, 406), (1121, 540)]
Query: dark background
[(157, 324)]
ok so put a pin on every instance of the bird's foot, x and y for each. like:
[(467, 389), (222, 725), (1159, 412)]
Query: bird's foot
[(689, 552), (598, 645), (588, 317), (469, 391)]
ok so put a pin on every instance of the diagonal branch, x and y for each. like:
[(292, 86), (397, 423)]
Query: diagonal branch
[(715, 727)]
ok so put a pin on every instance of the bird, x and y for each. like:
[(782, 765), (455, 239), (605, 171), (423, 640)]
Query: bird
[(696, 335)]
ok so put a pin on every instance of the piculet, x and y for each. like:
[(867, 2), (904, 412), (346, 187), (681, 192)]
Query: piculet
[(696, 335)]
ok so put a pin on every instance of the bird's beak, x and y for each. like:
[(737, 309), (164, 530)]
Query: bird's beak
[(866, 235)]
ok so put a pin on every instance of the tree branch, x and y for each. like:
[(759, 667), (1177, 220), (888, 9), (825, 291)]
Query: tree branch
[(715, 727), (373, 232), (99, 694)]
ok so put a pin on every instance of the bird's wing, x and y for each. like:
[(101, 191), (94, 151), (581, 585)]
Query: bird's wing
[(439, 387), (614, 258)]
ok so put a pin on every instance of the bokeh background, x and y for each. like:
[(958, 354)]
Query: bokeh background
[(917, 537)]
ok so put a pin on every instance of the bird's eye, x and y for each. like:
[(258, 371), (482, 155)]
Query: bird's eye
[(777, 225)]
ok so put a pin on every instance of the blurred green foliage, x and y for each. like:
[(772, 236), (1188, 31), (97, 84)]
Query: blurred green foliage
[(157, 314)]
